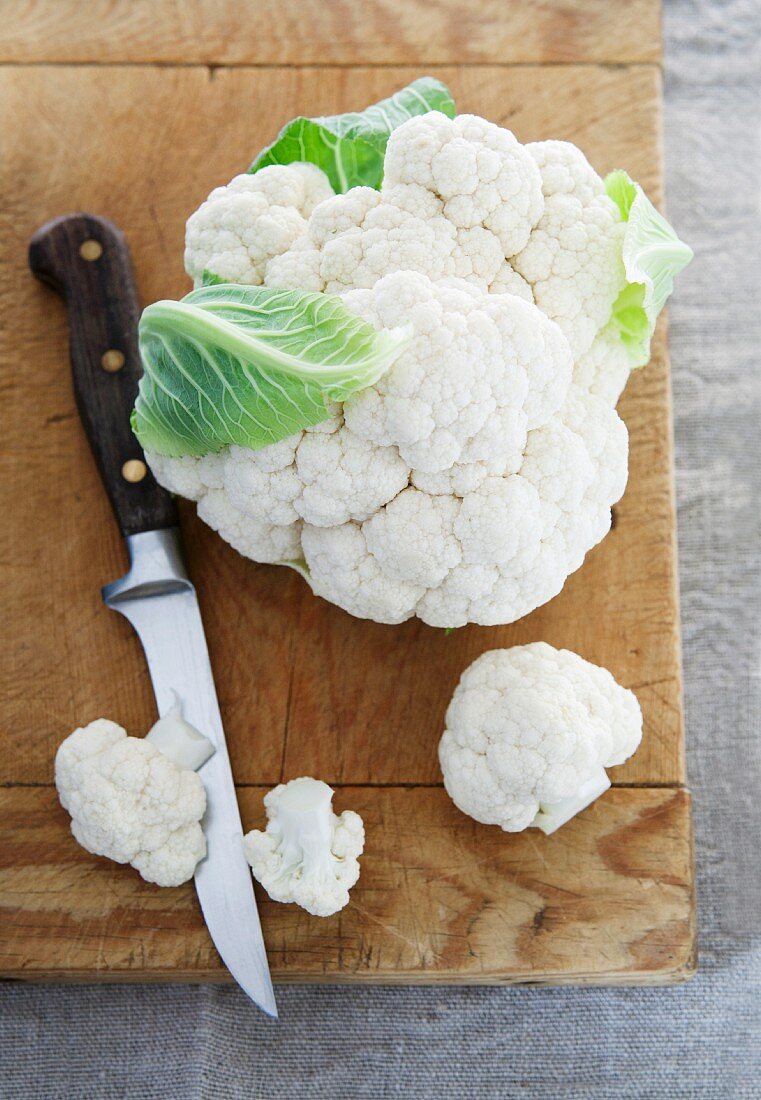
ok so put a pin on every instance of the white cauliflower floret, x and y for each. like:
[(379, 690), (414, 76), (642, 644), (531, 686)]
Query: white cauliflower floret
[(253, 537), (188, 476), (413, 539), (573, 258), (343, 570), (529, 733), (131, 802), (242, 225), (343, 477), (307, 854), (458, 197), (472, 357), (264, 484), (480, 171), (508, 281)]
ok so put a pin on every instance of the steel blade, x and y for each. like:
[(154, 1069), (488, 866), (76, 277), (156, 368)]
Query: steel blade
[(159, 600)]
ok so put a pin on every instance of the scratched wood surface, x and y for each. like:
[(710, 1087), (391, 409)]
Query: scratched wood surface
[(440, 899), (305, 688), (344, 32)]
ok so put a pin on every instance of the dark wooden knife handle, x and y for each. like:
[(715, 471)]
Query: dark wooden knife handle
[(86, 260)]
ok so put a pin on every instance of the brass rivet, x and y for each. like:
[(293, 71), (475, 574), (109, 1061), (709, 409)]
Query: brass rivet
[(134, 470), (112, 360), (90, 249)]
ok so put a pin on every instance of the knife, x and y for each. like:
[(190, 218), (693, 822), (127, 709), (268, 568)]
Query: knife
[(86, 260)]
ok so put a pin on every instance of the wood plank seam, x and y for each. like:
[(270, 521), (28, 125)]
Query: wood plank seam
[(212, 67)]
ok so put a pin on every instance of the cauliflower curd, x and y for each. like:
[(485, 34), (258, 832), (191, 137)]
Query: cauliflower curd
[(529, 733), (472, 478), (137, 800)]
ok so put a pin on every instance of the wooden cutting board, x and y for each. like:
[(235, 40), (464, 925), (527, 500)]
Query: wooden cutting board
[(91, 123)]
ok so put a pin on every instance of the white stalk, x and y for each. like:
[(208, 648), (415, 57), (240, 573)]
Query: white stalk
[(180, 741), (305, 820), (552, 815)]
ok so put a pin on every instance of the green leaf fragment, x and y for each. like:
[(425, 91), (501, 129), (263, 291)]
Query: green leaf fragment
[(350, 148), (250, 365), (653, 256), (208, 278)]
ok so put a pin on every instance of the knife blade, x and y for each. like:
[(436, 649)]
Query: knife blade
[(85, 259)]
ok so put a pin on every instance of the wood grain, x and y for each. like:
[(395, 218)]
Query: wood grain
[(348, 32), (270, 640), (303, 686), (608, 899)]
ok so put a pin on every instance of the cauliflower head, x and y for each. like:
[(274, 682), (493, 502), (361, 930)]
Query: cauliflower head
[(131, 803), (307, 854), (463, 487), (529, 732), (472, 478)]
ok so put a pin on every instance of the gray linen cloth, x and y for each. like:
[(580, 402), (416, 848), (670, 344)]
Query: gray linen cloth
[(698, 1040)]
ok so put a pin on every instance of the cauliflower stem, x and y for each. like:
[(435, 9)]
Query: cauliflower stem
[(551, 815), (307, 854), (179, 741)]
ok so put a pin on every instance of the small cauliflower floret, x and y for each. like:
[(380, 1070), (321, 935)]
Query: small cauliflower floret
[(137, 800), (300, 185), (342, 477), (242, 225), (607, 442), (188, 476), (508, 281), (264, 484), (307, 854), (573, 258), (254, 538), (413, 538), (529, 734), (478, 367), (342, 569), (480, 172)]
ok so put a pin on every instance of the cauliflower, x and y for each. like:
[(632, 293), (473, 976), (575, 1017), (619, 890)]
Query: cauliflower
[(307, 854), (137, 800), (472, 478), (243, 225), (529, 733), (463, 487)]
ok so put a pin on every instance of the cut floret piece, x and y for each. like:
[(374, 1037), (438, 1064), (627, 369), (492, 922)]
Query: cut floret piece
[(529, 734), (137, 800), (307, 854)]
